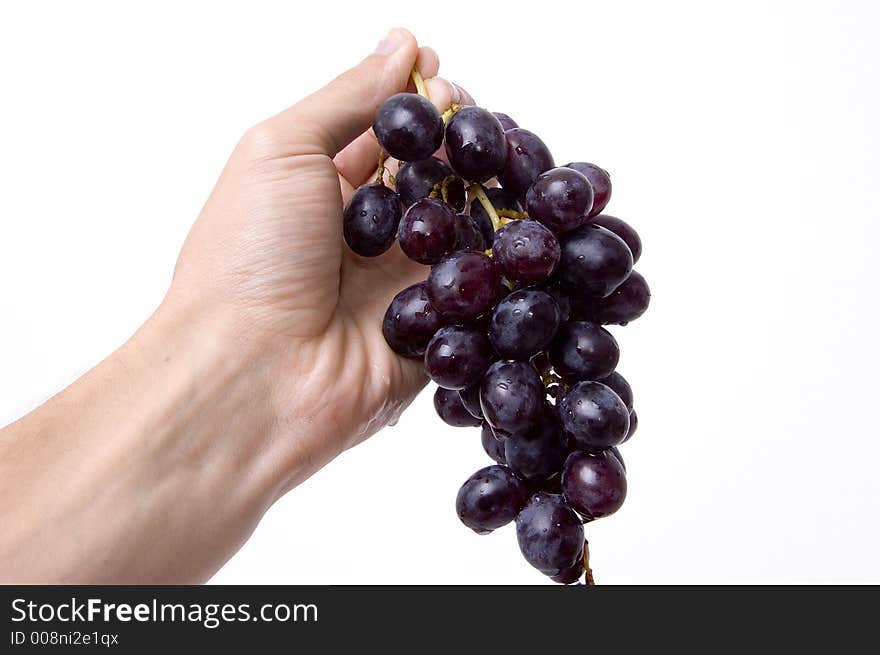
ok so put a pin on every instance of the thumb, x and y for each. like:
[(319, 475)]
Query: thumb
[(331, 118)]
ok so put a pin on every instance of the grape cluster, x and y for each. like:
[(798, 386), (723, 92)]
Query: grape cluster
[(525, 271)]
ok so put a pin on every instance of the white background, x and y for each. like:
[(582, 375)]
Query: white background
[(743, 143)]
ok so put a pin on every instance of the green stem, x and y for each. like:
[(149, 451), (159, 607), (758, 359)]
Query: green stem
[(480, 194), (509, 213), (446, 115), (380, 172), (590, 582), (419, 81)]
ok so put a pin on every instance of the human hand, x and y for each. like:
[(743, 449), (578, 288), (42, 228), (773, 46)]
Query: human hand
[(266, 255)]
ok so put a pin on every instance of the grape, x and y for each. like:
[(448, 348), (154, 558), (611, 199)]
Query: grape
[(500, 200), (512, 396), (560, 198), (416, 179), (599, 180), (448, 405), (509, 323), (468, 235), (490, 498), (593, 416), (427, 231), (593, 484), (538, 453), (571, 574), (457, 357), (494, 447), (523, 324), (633, 425), (618, 384), (526, 251), (475, 144), (624, 231), (626, 303), (408, 127), (411, 321), (506, 121), (527, 157), (463, 285), (549, 533), (584, 351), (370, 221), (594, 261), (616, 452), (470, 398)]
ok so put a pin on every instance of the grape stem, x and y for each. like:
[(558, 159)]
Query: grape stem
[(419, 81), (380, 172), (449, 113), (441, 189), (509, 213), (589, 581), (480, 194)]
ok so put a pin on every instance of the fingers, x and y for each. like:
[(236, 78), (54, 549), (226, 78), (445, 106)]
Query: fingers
[(427, 63), (329, 119)]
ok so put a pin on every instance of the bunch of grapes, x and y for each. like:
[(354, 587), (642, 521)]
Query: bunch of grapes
[(525, 271)]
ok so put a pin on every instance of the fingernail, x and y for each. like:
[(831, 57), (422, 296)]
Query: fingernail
[(390, 43)]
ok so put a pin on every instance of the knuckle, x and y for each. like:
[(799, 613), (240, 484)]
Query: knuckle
[(260, 140)]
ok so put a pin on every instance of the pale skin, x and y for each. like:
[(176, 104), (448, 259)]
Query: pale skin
[(264, 361)]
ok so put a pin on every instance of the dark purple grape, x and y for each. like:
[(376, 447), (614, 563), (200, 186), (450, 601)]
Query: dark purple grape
[(457, 357), (618, 384), (411, 321), (571, 574), (463, 285), (448, 405), (561, 198), (560, 294), (409, 127), (416, 179), (626, 303), (523, 324), (470, 398), (427, 231), (633, 425), (506, 121), (615, 451), (468, 235), (475, 144), (526, 251), (370, 221), (624, 231), (539, 452), (494, 447), (584, 351), (593, 416), (527, 157), (594, 261), (599, 180), (550, 534), (490, 498), (512, 396), (593, 484)]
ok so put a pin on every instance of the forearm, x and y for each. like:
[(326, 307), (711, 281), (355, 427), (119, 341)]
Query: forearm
[(153, 467)]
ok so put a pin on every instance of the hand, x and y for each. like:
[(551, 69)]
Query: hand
[(268, 249), (264, 361)]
